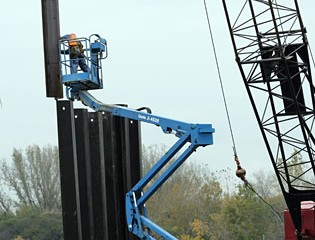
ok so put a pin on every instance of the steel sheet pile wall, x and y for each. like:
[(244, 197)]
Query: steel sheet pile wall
[(99, 162)]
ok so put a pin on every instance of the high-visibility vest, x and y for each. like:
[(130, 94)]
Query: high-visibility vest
[(72, 42)]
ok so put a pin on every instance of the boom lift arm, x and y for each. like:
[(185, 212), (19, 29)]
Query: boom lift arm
[(193, 135)]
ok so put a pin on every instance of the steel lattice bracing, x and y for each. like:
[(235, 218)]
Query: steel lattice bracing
[(271, 50)]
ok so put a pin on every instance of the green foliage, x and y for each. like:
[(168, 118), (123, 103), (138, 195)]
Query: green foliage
[(31, 224), (33, 178), (295, 163), (195, 204), (200, 231), (31, 182), (298, 170), (247, 217), (192, 192)]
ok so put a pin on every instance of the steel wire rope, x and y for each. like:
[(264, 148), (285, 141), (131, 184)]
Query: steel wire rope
[(240, 172), (220, 79), (247, 184)]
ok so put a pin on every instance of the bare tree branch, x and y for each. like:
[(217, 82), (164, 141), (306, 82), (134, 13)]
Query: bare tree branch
[(34, 177)]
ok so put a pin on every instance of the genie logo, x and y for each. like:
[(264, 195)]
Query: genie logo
[(148, 118), (142, 117)]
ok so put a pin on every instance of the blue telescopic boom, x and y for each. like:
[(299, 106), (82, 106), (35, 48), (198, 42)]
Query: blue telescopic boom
[(190, 137)]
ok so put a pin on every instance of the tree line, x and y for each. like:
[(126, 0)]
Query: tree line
[(195, 204)]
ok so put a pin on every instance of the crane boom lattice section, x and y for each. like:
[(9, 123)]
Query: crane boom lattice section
[(271, 50)]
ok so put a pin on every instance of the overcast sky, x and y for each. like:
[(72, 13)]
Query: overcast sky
[(160, 56)]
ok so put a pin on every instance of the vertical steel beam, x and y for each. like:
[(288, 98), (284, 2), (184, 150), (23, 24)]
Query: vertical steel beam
[(112, 176), (51, 35), (68, 171), (123, 157), (133, 167), (98, 176), (122, 167), (84, 172)]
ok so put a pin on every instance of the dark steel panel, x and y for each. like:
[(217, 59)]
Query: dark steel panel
[(51, 35), (134, 166), (98, 176), (122, 157), (103, 153), (84, 172), (68, 170), (112, 176), (132, 163), (291, 87), (128, 160), (121, 172)]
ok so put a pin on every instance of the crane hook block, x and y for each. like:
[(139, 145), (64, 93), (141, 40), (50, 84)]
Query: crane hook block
[(240, 172)]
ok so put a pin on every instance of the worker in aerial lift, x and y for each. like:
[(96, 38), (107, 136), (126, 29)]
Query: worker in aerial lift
[(76, 51)]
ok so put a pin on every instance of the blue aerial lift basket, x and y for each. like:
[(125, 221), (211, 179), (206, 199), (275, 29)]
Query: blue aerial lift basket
[(95, 49)]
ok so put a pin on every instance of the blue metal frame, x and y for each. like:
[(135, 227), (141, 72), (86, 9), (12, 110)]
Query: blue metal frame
[(95, 49), (190, 136), (195, 134)]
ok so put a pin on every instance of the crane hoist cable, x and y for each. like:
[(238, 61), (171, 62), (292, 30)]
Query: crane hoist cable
[(240, 172)]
